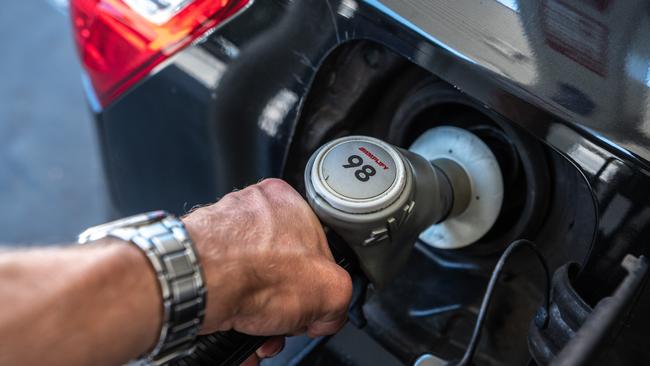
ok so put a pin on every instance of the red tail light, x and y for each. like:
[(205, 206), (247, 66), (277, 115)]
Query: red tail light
[(120, 41)]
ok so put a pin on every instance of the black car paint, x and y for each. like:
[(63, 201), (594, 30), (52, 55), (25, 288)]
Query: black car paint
[(437, 294), (242, 87)]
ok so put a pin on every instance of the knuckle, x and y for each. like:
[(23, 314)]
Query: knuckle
[(274, 185), (282, 195), (340, 292), (277, 188), (254, 194), (345, 290), (248, 204)]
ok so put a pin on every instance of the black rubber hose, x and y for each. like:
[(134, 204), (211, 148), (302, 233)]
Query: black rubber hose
[(487, 298)]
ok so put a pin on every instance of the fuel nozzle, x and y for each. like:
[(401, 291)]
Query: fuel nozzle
[(379, 198)]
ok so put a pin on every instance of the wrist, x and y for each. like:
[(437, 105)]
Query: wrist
[(170, 253), (136, 287), (148, 305), (224, 279)]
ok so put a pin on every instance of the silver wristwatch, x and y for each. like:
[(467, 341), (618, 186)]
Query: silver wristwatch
[(163, 238)]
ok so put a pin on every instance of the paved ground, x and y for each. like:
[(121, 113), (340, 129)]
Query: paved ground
[(51, 184)]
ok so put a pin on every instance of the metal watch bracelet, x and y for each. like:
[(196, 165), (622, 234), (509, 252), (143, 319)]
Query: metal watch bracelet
[(164, 240)]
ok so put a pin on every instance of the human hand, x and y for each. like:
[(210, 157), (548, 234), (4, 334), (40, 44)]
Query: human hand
[(267, 266)]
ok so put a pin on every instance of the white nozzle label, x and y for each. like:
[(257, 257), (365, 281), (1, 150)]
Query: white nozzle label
[(358, 170), (358, 174)]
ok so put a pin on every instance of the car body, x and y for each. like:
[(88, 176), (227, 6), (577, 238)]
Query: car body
[(559, 87)]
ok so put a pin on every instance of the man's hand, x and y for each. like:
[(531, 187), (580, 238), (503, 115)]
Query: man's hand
[(268, 268)]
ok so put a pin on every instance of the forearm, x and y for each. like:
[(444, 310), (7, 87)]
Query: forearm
[(266, 266), (92, 305)]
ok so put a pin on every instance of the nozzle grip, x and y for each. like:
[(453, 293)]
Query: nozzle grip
[(382, 239), (229, 348)]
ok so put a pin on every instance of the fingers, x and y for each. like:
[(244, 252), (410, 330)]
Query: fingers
[(322, 328), (253, 360), (334, 305), (269, 349), (336, 295)]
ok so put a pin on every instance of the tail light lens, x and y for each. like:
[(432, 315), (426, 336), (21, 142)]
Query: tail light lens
[(120, 41)]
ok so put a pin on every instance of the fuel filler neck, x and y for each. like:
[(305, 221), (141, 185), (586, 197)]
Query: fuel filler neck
[(379, 198)]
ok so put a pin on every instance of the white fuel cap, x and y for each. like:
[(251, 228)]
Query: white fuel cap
[(358, 174)]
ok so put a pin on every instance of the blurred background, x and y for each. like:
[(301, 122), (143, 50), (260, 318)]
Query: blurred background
[(51, 183), (51, 180)]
